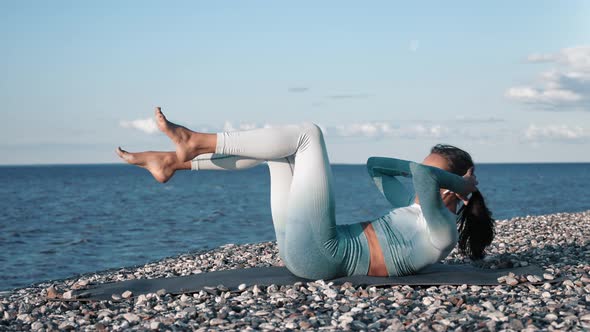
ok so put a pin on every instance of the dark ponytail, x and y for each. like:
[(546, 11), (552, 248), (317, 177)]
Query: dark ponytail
[(475, 222), (476, 227)]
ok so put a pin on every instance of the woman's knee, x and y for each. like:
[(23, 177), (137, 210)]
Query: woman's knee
[(311, 133), (312, 129)]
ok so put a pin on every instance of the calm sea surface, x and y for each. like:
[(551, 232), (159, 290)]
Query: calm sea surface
[(58, 221)]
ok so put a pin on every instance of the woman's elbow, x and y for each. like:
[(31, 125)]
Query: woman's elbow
[(370, 163)]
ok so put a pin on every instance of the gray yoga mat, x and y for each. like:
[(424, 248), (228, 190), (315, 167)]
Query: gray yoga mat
[(436, 274)]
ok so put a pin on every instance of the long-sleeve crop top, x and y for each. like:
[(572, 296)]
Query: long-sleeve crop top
[(413, 235)]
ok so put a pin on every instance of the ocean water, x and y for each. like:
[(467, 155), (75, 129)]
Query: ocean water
[(59, 221)]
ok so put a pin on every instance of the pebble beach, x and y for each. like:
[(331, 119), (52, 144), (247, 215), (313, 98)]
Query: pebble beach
[(558, 243)]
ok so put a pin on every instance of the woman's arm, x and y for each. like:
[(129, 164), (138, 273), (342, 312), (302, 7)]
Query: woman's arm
[(391, 167), (383, 171), (427, 182)]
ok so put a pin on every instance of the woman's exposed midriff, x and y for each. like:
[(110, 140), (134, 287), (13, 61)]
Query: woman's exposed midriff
[(377, 267)]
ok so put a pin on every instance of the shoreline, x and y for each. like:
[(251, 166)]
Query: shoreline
[(558, 243)]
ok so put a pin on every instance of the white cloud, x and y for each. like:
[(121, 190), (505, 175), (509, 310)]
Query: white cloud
[(146, 125), (547, 96), (374, 129), (370, 129), (386, 129), (565, 87), (535, 57), (577, 58), (433, 131), (228, 126), (367, 129), (555, 132)]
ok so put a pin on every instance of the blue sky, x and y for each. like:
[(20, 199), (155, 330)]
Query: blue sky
[(507, 81)]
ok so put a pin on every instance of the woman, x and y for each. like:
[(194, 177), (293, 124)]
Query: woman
[(419, 231)]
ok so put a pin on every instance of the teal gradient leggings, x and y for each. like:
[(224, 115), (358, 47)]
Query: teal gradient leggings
[(302, 197)]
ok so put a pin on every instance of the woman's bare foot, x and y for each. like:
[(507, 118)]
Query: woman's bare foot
[(189, 144), (162, 165)]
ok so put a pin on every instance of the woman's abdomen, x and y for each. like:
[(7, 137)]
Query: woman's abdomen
[(403, 254)]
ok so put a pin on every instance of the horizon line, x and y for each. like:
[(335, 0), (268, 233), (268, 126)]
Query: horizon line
[(336, 163)]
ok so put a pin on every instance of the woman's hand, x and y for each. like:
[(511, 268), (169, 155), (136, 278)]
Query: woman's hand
[(471, 183)]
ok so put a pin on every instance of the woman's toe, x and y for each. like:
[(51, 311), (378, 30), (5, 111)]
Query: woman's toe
[(125, 155), (120, 152)]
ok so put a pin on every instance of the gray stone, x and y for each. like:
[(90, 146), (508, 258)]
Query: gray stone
[(66, 326), (36, 326), (217, 321), (358, 325)]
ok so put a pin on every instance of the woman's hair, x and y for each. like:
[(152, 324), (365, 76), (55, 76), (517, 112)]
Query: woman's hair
[(476, 225)]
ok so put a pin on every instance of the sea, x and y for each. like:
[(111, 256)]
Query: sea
[(59, 221)]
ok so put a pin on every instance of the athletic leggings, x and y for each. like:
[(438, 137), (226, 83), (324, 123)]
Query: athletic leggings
[(302, 198)]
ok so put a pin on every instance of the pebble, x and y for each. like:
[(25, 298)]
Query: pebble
[(141, 299), (488, 305), (51, 292), (533, 278), (66, 326), (358, 325), (127, 294), (551, 317), (344, 308), (24, 317), (516, 324), (511, 281), (67, 295), (216, 321), (304, 325), (323, 305), (331, 293), (569, 283), (131, 317)]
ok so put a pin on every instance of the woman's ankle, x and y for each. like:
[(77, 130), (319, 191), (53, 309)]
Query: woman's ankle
[(207, 143)]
